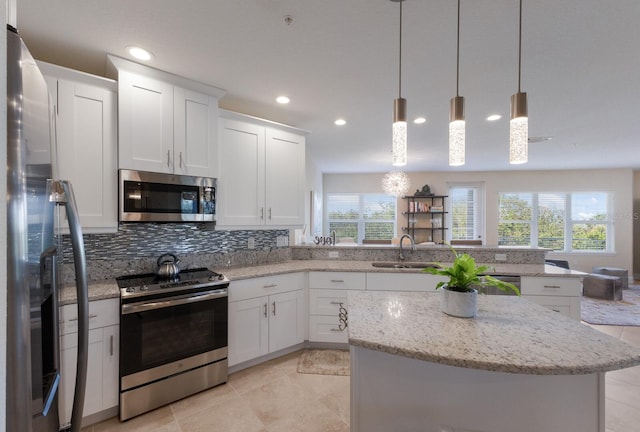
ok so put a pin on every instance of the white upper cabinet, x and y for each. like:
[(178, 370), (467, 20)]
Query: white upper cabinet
[(167, 123), (86, 130), (261, 173), (146, 123), (195, 130)]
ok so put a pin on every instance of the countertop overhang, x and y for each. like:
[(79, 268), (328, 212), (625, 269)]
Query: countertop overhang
[(509, 334)]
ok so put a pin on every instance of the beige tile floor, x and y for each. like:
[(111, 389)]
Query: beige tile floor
[(273, 397)]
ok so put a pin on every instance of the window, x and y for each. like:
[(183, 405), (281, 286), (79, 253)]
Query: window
[(558, 221), (362, 216), (466, 212)]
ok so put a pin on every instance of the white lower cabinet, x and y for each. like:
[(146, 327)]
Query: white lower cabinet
[(265, 315), (328, 314), (560, 294), (102, 363)]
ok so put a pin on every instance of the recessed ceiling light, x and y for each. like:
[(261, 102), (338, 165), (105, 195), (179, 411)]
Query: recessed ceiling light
[(340, 122), (140, 53), (494, 117), (419, 120), (282, 100)]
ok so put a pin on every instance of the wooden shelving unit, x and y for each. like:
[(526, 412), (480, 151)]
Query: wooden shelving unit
[(426, 218)]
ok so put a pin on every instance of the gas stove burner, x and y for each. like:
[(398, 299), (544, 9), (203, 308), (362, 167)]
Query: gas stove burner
[(150, 284)]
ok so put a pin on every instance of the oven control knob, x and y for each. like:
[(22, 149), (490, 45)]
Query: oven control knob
[(144, 288), (130, 289)]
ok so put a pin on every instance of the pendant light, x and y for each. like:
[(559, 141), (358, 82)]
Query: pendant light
[(399, 146), (456, 115), (519, 125), (396, 183)]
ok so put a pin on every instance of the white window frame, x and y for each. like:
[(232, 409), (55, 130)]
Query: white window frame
[(568, 221), (361, 221), (479, 211)]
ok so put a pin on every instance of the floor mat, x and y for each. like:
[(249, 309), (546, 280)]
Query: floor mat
[(324, 362), (625, 312)]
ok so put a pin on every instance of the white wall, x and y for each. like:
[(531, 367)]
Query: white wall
[(636, 224), (619, 181), (313, 203)]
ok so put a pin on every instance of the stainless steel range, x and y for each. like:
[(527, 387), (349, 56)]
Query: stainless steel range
[(173, 337)]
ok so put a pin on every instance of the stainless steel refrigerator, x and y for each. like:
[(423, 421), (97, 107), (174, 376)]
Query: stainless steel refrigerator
[(33, 254)]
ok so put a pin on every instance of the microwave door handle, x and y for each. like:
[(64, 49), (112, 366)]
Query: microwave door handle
[(79, 258)]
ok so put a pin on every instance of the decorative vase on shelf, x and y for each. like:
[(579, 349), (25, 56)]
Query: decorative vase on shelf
[(459, 304)]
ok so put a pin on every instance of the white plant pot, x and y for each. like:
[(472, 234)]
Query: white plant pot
[(459, 304)]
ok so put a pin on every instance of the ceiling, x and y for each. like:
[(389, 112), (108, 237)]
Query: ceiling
[(339, 58)]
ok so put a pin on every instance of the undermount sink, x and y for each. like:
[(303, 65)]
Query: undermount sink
[(403, 265)]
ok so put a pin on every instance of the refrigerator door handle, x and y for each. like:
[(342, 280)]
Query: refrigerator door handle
[(49, 273), (77, 245)]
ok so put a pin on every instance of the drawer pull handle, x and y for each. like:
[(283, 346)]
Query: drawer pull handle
[(270, 286), (337, 330), (337, 303), (552, 286), (76, 318), (555, 310), (111, 346), (265, 310), (337, 281), (274, 308)]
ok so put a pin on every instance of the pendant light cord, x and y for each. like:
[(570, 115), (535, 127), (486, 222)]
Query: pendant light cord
[(458, 54), (519, 46), (400, 56)]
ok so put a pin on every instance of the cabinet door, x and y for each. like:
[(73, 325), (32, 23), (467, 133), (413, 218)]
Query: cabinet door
[(196, 133), (286, 324), (248, 329), (285, 178), (241, 169), (145, 123), (86, 129), (110, 366), (68, 363)]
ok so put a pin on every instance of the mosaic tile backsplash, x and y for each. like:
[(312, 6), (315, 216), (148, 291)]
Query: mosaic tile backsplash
[(136, 247)]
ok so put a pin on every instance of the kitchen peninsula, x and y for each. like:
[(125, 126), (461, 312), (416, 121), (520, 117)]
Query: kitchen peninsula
[(516, 366)]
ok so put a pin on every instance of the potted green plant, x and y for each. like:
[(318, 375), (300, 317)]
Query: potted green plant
[(465, 278)]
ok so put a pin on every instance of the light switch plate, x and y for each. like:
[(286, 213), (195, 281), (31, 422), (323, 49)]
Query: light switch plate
[(501, 257), (334, 254)]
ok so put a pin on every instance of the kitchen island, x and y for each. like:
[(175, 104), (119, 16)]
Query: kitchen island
[(517, 366)]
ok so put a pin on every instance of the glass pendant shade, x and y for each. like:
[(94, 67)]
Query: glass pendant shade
[(399, 145), (519, 129), (456, 131), (395, 183)]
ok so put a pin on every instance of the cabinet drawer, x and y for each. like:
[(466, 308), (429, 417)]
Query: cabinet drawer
[(102, 313), (337, 280), (326, 301), (250, 288), (323, 328), (559, 286), (569, 306)]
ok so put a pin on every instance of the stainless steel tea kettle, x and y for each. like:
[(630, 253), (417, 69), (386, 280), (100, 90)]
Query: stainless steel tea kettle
[(168, 267)]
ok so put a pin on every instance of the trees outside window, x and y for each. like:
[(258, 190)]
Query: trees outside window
[(361, 216), (558, 221)]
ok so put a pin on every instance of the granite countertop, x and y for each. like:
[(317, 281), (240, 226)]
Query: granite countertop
[(99, 290), (509, 334), (366, 266)]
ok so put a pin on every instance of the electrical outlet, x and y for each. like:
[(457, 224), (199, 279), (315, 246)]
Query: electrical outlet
[(251, 244), (501, 257), (334, 254)]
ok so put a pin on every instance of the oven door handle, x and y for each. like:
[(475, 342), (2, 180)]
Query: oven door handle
[(174, 301)]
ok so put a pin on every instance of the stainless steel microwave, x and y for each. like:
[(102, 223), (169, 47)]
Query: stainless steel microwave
[(157, 197)]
